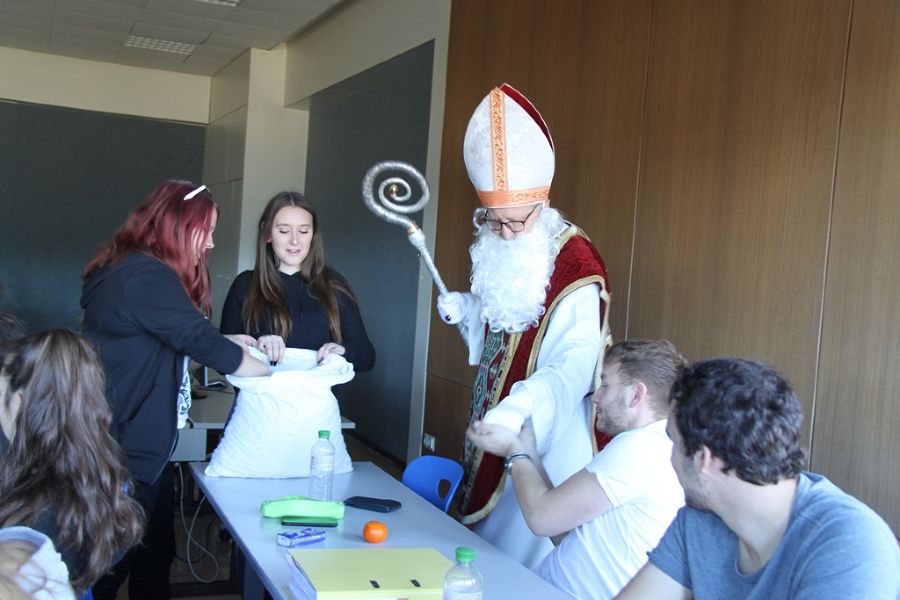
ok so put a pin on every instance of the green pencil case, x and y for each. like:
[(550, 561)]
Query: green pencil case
[(301, 506)]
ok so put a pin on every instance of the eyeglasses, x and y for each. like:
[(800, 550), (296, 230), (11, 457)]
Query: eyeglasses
[(497, 225), (194, 193)]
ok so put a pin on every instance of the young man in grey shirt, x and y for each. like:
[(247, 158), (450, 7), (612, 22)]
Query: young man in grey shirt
[(755, 525)]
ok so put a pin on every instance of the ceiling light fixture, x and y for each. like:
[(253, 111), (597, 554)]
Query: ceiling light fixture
[(229, 3), (136, 41)]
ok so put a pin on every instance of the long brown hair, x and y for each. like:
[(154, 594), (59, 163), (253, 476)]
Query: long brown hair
[(265, 291), (164, 226), (62, 459)]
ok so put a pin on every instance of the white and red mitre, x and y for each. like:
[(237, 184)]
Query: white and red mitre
[(508, 150)]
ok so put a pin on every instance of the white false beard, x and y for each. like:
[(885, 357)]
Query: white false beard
[(511, 277)]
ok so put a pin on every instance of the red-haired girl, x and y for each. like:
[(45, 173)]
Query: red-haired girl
[(146, 300)]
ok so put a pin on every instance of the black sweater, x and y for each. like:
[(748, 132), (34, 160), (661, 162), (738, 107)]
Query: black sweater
[(310, 322), (143, 323)]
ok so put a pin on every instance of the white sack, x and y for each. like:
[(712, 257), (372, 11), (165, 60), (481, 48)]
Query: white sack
[(277, 418)]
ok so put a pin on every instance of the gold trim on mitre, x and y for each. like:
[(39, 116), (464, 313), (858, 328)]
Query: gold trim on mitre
[(498, 137), (501, 198)]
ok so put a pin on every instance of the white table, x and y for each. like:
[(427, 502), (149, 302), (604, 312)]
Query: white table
[(417, 524)]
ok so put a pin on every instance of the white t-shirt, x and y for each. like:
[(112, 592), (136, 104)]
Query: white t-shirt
[(597, 559), (554, 398)]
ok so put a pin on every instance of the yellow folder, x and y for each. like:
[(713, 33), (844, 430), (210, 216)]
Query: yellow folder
[(345, 573)]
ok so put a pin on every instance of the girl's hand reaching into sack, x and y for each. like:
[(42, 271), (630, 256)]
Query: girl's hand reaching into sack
[(242, 340), (273, 347), (329, 348)]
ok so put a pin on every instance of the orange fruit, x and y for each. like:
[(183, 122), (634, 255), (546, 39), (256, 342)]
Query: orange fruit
[(374, 532)]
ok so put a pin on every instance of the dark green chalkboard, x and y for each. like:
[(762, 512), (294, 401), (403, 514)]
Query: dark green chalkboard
[(67, 179), (379, 114)]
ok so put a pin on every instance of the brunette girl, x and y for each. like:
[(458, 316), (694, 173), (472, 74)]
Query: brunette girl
[(62, 474), (293, 298)]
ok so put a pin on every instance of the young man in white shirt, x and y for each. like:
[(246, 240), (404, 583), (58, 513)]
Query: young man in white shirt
[(613, 511)]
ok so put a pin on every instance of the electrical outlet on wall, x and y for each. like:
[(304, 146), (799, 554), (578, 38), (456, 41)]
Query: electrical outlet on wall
[(428, 441)]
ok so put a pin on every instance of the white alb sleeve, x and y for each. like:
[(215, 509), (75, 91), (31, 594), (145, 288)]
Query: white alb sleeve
[(564, 372), (474, 330)]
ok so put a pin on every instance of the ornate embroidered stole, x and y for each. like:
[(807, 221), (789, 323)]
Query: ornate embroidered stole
[(508, 358)]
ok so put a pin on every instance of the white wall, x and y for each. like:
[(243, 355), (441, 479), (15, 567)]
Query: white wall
[(223, 170), (275, 157), (255, 148), (357, 36), (89, 85)]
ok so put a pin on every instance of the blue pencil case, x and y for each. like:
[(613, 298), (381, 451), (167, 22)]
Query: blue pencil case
[(293, 539)]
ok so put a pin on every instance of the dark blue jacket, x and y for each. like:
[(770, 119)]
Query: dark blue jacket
[(143, 323)]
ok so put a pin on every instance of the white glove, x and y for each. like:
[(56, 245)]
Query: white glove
[(453, 307)]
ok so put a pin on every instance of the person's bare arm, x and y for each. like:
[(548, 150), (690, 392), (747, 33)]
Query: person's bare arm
[(651, 582), (251, 367), (548, 511)]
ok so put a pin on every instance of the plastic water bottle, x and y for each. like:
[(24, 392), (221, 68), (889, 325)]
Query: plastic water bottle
[(463, 581), (321, 467)]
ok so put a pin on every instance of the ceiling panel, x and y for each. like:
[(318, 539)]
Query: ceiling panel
[(63, 32), (100, 8), (167, 19), (168, 33), (24, 9), (97, 29), (25, 23), (77, 19), (192, 8), (259, 18), (260, 37)]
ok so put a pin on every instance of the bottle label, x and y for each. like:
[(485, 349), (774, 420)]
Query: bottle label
[(323, 463)]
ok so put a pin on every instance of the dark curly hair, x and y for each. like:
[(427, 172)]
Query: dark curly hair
[(746, 413)]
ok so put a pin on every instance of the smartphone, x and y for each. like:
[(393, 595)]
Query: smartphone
[(309, 521), (377, 504)]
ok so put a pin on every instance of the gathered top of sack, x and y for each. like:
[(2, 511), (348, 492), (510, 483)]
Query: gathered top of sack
[(298, 363)]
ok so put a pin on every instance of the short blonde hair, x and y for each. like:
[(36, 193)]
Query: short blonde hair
[(655, 363)]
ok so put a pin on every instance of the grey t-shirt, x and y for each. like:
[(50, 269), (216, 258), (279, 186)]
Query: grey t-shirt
[(834, 547)]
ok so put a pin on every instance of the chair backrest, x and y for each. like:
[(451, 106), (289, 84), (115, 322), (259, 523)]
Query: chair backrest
[(424, 475)]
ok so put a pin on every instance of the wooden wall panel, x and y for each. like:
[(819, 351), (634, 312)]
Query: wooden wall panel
[(857, 417), (743, 102), (583, 63), (448, 426), (704, 146)]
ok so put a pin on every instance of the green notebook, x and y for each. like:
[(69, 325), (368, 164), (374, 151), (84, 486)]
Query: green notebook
[(333, 574)]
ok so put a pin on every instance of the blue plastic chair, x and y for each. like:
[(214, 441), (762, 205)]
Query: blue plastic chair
[(425, 475)]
